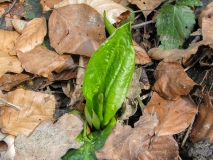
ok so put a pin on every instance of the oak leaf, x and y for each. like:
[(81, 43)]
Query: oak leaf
[(48, 140), (174, 116), (32, 35), (172, 81), (36, 107), (76, 29)]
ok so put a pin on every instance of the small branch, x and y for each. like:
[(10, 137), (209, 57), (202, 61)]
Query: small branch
[(142, 24)]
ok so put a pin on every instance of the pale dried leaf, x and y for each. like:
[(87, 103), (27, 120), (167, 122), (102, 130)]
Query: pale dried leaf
[(206, 12), (128, 143), (77, 93), (78, 25), (42, 61), (146, 6), (10, 152), (174, 116), (172, 81), (7, 40), (10, 64), (19, 25), (48, 140), (36, 107), (32, 35), (207, 30), (203, 125), (113, 10), (122, 2)]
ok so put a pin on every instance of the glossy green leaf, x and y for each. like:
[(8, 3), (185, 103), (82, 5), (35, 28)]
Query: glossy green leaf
[(93, 143), (174, 24), (191, 3), (109, 27), (109, 73)]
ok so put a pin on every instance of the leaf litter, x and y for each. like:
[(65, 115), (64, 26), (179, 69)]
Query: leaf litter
[(170, 104)]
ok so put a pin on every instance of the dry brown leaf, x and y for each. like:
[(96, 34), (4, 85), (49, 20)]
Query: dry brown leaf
[(9, 153), (48, 140), (50, 3), (19, 25), (10, 64), (113, 10), (207, 30), (172, 81), (173, 116), (206, 12), (32, 35), (146, 6), (173, 55), (76, 29), (8, 40), (127, 143), (141, 55), (122, 2), (204, 125), (8, 81), (163, 147), (77, 93), (36, 107), (66, 74), (43, 62)]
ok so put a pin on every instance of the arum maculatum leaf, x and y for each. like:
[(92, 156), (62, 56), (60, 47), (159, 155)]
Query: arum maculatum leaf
[(107, 77)]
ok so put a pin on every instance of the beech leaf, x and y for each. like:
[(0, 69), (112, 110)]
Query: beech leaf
[(78, 25), (35, 106), (174, 24), (48, 140)]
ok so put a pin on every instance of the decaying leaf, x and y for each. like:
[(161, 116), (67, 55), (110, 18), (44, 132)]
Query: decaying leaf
[(127, 143), (174, 116), (48, 140), (76, 29), (172, 81), (141, 55), (207, 31), (32, 35), (43, 62), (206, 12), (204, 125), (9, 151), (146, 6), (77, 93), (19, 25), (36, 107), (8, 81), (113, 10)]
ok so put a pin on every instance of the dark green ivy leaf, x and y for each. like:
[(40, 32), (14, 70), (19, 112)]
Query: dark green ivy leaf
[(33, 9), (174, 24), (190, 3), (95, 142)]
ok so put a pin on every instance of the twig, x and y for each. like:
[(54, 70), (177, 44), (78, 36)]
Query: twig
[(142, 24), (7, 11)]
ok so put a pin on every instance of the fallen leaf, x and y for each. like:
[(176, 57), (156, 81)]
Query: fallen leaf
[(36, 107), (51, 3), (79, 25), (206, 58), (10, 64), (43, 62), (77, 93), (141, 55), (119, 145), (8, 81), (203, 125), (146, 6), (9, 153), (19, 25), (32, 35), (66, 74), (207, 31), (206, 12), (172, 81), (174, 116), (113, 10), (48, 140)]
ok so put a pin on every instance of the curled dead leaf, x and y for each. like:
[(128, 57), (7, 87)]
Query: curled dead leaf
[(32, 35), (207, 31), (19, 25), (206, 12), (174, 116), (36, 107), (76, 29), (172, 81)]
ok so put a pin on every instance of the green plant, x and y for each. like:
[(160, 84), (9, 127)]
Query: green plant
[(175, 22)]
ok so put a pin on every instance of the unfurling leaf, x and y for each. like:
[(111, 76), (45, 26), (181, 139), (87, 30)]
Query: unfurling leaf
[(174, 24), (109, 72)]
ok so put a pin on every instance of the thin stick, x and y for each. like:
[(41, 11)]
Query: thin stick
[(142, 24)]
